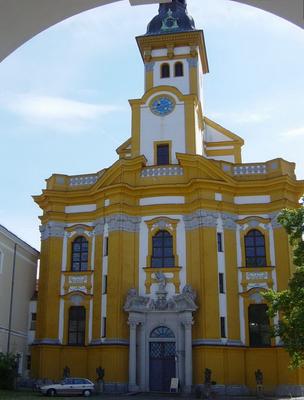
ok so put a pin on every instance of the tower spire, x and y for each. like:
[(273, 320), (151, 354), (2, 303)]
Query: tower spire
[(172, 17)]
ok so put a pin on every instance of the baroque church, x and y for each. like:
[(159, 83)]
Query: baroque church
[(154, 267)]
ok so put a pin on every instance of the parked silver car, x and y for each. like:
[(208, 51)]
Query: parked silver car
[(70, 386)]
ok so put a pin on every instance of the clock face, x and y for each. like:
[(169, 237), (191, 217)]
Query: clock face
[(162, 106)]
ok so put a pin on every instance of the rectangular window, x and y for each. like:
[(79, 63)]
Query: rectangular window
[(219, 242), (106, 246), (221, 283), (162, 157), (259, 325), (19, 357), (104, 327), (105, 284), (28, 362), (223, 327), (33, 322)]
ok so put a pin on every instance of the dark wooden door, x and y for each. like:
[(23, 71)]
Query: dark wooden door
[(162, 365)]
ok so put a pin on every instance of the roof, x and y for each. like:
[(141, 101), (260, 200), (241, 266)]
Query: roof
[(172, 17), (19, 241)]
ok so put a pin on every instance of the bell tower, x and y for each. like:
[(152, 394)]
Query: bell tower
[(168, 119)]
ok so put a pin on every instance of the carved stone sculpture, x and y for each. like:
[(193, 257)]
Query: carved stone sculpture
[(180, 302), (259, 377), (66, 372)]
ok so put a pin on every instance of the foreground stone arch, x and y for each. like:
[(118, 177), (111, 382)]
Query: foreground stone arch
[(34, 16)]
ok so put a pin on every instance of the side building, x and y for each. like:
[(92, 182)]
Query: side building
[(154, 267), (18, 269)]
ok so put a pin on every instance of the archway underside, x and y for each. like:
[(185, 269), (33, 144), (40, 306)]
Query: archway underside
[(20, 21)]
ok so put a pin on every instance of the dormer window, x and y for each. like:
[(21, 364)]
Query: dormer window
[(179, 69), (165, 71)]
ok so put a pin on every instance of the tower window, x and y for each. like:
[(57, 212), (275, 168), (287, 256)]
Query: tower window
[(77, 320), (165, 71), (33, 322), (219, 242), (105, 284), (162, 156), (104, 327), (255, 249), (221, 283), (106, 246), (259, 328), (223, 327), (162, 250), (179, 69), (80, 254)]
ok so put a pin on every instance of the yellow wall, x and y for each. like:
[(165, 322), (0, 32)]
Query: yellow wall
[(236, 366), (122, 275), (49, 288), (49, 361)]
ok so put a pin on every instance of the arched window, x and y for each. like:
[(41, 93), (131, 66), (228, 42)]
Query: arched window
[(162, 250), (162, 332), (255, 249), (259, 328), (179, 69), (165, 71), (80, 254), (77, 321)]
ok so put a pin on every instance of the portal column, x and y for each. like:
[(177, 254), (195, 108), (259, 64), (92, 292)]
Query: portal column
[(188, 355), (142, 372), (132, 357)]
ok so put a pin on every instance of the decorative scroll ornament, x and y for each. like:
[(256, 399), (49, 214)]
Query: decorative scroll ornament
[(178, 303), (52, 229), (169, 23)]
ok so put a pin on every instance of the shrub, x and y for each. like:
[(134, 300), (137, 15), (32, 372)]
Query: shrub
[(8, 370)]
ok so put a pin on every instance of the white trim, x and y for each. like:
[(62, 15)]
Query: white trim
[(90, 223), (221, 268), (93, 254), (147, 201), (61, 320), (252, 199), (242, 320), (241, 300), (80, 208), (219, 147), (218, 196), (64, 253)]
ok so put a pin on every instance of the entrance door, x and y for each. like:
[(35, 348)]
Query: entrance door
[(162, 365)]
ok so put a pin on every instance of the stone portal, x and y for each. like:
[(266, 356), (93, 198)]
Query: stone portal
[(160, 345)]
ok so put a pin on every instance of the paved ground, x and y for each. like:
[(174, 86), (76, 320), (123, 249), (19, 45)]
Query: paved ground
[(29, 395)]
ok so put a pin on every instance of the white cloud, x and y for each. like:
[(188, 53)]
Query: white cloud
[(293, 133), (58, 112)]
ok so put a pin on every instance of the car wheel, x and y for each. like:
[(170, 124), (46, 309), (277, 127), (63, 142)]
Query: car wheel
[(87, 393), (51, 392)]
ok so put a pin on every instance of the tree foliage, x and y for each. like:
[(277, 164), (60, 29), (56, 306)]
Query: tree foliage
[(8, 370), (289, 303)]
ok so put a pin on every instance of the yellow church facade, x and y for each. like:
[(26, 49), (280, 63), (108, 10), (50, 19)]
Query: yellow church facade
[(154, 268)]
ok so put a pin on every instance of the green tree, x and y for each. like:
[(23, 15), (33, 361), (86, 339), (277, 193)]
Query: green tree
[(8, 370), (289, 303)]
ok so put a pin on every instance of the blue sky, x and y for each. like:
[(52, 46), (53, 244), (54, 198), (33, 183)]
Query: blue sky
[(64, 94)]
